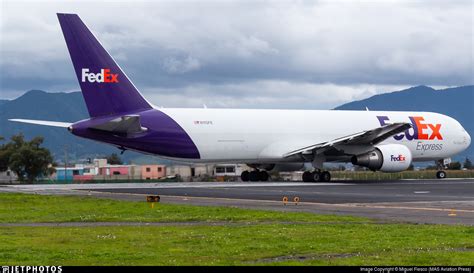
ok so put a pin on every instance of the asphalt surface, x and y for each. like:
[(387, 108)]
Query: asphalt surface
[(340, 193), (448, 201)]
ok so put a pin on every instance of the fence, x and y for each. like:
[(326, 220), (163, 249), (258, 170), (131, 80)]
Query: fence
[(425, 174)]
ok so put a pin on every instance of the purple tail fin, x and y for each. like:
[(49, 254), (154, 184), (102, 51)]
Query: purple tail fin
[(105, 87)]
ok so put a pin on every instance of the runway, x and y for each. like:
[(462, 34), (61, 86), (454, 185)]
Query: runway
[(449, 201), (339, 193)]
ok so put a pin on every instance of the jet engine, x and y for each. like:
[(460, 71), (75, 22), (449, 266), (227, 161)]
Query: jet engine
[(386, 158)]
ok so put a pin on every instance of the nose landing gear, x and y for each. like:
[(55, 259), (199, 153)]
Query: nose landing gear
[(440, 174), (441, 165)]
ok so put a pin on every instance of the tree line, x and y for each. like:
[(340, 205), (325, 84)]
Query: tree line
[(27, 159)]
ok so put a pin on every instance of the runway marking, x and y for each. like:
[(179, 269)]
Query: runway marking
[(347, 205), (421, 192)]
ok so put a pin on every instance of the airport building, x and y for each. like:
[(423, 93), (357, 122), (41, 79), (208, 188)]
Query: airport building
[(101, 170), (152, 171), (8, 177), (67, 173), (202, 172), (224, 172)]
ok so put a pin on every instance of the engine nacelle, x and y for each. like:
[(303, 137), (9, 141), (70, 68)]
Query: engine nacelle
[(386, 158)]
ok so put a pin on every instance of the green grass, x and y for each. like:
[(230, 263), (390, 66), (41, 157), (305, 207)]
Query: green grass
[(256, 237), (359, 244), (22, 208)]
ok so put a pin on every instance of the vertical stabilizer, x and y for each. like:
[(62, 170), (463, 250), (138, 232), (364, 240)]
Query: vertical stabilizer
[(105, 87)]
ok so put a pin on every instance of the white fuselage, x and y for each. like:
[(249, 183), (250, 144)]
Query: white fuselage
[(247, 135)]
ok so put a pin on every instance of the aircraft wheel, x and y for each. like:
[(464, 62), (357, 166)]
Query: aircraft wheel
[(325, 176), (307, 177), (316, 176), (263, 176), (245, 176), (254, 176), (441, 174)]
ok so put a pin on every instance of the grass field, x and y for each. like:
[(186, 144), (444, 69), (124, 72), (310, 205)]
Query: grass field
[(22, 208), (242, 237)]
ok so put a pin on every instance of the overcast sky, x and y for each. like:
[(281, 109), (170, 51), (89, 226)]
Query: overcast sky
[(247, 54)]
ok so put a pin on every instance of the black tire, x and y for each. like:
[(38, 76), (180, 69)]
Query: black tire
[(245, 176), (441, 174), (307, 177), (263, 176), (325, 176), (254, 176), (316, 176)]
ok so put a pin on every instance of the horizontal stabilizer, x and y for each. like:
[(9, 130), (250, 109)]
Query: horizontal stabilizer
[(127, 125), (43, 122)]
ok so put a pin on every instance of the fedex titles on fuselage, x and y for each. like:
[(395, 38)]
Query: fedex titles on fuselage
[(103, 76), (420, 130)]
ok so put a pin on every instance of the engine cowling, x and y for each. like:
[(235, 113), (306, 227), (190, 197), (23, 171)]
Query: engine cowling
[(386, 158)]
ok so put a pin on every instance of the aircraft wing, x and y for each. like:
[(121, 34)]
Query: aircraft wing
[(129, 124), (369, 137), (43, 122)]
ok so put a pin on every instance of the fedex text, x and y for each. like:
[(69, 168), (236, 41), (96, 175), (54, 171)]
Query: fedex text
[(103, 76)]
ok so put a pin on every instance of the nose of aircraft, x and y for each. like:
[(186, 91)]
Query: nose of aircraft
[(467, 138)]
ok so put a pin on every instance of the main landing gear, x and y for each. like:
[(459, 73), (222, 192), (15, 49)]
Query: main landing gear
[(316, 176), (254, 176)]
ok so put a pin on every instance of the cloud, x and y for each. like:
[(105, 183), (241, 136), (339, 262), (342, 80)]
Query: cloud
[(251, 47), (264, 94), (181, 66)]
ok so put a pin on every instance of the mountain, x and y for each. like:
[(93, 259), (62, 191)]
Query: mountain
[(67, 107), (455, 102)]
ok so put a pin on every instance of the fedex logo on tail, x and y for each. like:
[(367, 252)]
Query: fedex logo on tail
[(420, 129), (103, 76), (397, 158)]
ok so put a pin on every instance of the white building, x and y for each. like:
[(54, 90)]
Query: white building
[(230, 169), (182, 171), (8, 177)]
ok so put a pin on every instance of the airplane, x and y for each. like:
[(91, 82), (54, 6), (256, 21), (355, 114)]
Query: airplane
[(265, 140)]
